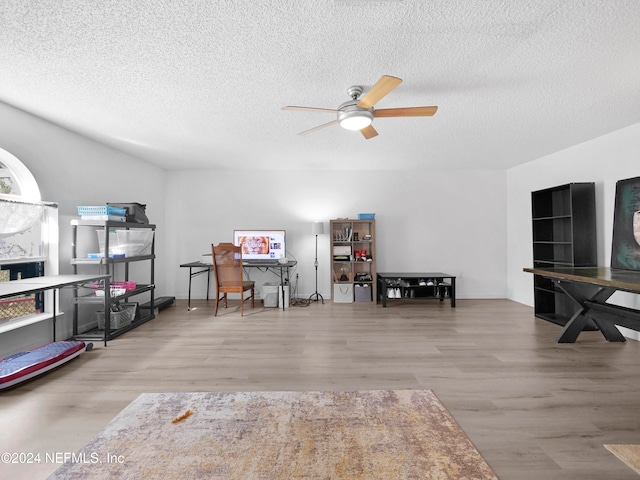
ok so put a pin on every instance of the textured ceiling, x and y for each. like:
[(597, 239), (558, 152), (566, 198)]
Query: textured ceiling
[(200, 84)]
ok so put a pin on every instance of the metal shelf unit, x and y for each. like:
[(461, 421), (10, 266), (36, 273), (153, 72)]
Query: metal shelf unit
[(144, 313)]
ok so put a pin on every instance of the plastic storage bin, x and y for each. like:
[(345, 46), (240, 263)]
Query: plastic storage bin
[(135, 243), (130, 243), (113, 243), (342, 293), (118, 319), (363, 293), (272, 295)]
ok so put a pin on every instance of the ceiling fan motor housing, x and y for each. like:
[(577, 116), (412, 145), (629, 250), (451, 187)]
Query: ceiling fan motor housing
[(354, 91)]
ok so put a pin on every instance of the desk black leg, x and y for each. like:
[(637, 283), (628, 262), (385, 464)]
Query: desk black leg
[(573, 328), (609, 330), (607, 320), (208, 282), (453, 292), (582, 316), (578, 321), (53, 320), (189, 294)]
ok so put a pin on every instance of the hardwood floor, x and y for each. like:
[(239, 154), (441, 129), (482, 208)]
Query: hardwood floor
[(533, 408)]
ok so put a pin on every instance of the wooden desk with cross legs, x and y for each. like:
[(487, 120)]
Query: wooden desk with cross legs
[(590, 287)]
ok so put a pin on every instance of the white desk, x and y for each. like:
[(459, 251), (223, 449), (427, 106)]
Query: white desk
[(202, 268), (31, 285), (207, 268), (281, 267)]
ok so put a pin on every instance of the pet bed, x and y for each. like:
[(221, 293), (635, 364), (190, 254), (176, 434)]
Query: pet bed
[(22, 366)]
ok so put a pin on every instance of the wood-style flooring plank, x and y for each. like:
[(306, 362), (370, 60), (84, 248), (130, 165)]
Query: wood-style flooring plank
[(533, 408)]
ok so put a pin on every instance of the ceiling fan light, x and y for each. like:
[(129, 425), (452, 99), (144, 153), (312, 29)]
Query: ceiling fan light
[(355, 122), (355, 119)]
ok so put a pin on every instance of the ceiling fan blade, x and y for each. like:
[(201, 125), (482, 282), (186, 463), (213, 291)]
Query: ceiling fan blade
[(406, 112), (311, 130), (379, 90), (310, 109), (369, 132)]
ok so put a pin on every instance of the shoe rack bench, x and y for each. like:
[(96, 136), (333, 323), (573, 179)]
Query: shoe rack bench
[(410, 286)]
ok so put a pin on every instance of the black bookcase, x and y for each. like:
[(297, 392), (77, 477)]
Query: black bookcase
[(564, 235)]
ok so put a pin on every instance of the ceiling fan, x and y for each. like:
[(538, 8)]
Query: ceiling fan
[(358, 113)]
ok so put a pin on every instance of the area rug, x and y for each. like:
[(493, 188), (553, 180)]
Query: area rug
[(396, 434), (629, 454)]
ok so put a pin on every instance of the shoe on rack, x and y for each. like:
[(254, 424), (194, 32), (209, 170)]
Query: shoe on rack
[(398, 294)]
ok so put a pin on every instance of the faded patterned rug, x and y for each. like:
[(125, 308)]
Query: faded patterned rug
[(629, 454), (396, 434)]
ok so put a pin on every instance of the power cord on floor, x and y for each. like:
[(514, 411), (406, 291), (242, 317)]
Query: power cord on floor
[(298, 302)]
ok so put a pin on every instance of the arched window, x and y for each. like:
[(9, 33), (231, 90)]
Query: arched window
[(25, 220), (16, 179), (20, 202), (28, 239)]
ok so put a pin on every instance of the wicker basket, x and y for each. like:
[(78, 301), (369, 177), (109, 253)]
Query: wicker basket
[(118, 319), (17, 307)]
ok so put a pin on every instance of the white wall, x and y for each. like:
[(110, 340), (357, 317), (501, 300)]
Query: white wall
[(446, 220), (73, 170), (473, 224), (603, 160)]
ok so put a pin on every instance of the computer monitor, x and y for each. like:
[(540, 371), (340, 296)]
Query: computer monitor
[(261, 244)]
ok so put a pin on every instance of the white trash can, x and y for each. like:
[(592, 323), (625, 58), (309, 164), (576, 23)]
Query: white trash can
[(272, 295)]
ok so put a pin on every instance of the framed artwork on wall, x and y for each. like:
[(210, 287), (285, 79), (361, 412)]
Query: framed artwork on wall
[(625, 251)]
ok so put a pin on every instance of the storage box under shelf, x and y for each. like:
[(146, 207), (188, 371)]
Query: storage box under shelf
[(119, 319), (343, 293), (363, 292), (17, 307)]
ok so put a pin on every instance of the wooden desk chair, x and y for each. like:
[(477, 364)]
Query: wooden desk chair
[(227, 267)]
